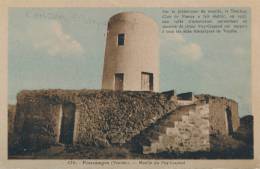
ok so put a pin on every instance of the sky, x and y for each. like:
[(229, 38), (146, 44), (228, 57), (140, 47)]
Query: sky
[(64, 48)]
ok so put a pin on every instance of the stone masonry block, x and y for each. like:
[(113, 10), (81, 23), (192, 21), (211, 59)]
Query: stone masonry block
[(172, 131), (185, 119)]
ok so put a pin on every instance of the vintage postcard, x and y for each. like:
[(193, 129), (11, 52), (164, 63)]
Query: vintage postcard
[(107, 85)]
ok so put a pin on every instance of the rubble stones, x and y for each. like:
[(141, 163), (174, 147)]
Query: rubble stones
[(104, 117), (151, 122)]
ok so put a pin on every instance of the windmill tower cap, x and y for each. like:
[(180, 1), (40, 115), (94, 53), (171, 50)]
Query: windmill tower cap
[(132, 17)]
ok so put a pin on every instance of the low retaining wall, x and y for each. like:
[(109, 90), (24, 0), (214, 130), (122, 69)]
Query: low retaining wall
[(101, 117), (150, 121)]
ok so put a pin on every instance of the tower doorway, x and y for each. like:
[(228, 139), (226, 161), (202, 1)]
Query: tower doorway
[(119, 81), (67, 123), (146, 81), (229, 121)]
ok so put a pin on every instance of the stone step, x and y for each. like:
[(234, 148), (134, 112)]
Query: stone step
[(172, 131), (168, 123), (181, 125), (185, 119), (163, 128), (166, 128), (174, 118), (153, 137), (150, 149)]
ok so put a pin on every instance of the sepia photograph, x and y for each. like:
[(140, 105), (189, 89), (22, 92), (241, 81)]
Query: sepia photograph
[(130, 83)]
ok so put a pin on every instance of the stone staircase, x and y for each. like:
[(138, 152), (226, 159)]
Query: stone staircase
[(184, 130)]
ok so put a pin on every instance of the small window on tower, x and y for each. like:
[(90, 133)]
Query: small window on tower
[(121, 39)]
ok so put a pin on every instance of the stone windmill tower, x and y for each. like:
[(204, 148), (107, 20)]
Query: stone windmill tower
[(132, 53)]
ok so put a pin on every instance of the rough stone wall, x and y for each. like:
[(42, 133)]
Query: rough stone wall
[(11, 118), (207, 116), (36, 121), (184, 130), (235, 115), (106, 117), (102, 117), (218, 116), (115, 117)]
